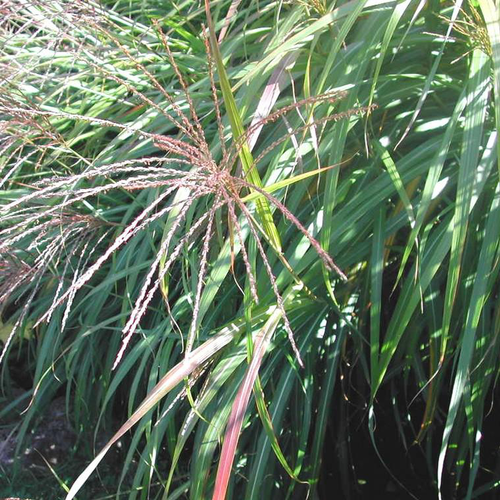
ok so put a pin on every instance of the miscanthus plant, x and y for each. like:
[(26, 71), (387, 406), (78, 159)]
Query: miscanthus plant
[(255, 244)]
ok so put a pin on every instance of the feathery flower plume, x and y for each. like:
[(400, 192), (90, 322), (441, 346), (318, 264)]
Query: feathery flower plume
[(48, 216)]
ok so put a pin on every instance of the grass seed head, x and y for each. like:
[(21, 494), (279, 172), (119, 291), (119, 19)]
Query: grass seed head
[(187, 165)]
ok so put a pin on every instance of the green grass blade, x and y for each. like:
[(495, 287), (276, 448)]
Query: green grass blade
[(377, 269), (480, 293), (245, 155), (474, 121)]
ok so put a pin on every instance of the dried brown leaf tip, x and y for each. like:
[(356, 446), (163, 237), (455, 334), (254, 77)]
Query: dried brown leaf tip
[(188, 173)]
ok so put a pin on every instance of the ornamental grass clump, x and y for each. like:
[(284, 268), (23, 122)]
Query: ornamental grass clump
[(56, 222), (171, 197)]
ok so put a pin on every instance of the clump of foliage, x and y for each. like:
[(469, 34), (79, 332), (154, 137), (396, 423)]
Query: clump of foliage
[(195, 211)]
